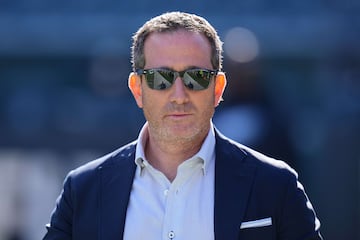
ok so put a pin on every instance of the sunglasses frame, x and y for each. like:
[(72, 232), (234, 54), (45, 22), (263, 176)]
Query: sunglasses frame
[(177, 74)]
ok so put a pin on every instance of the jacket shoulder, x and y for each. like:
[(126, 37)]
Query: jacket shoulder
[(249, 156), (120, 156)]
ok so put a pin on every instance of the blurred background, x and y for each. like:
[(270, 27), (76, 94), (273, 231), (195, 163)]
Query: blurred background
[(293, 92)]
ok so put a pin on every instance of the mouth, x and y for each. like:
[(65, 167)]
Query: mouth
[(178, 116)]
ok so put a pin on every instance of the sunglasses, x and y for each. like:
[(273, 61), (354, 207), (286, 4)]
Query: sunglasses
[(161, 79)]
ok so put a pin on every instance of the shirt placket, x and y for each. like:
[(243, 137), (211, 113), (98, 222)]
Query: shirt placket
[(174, 202), (172, 207)]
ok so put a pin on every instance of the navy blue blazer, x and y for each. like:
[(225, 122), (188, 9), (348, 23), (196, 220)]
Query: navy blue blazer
[(248, 187)]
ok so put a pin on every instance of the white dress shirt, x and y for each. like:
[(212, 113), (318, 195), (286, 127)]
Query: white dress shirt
[(183, 209)]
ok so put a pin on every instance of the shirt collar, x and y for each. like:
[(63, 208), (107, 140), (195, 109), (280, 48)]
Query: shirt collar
[(206, 153), (140, 159)]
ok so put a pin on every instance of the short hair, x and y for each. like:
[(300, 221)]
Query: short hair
[(170, 22)]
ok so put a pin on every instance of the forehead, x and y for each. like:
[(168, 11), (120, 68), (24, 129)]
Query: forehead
[(177, 47)]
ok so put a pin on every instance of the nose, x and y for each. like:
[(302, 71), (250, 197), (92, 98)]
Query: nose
[(179, 93)]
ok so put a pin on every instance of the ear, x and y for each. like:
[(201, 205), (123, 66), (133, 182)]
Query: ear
[(134, 84), (220, 84)]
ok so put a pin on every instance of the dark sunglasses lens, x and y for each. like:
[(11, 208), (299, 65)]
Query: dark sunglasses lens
[(159, 79), (194, 79), (197, 79)]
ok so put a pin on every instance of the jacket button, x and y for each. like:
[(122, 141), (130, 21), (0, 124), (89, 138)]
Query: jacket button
[(171, 235)]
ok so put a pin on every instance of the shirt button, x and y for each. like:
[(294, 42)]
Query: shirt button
[(171, 235), (166, 192)]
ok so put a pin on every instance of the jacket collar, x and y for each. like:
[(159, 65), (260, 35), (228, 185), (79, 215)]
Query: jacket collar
[(116, 177), (234, 178)]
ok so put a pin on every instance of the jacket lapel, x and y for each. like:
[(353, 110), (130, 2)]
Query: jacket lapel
[(233, 182), (116, 179)]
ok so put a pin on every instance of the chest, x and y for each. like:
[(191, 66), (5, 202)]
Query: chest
[(159, 209)]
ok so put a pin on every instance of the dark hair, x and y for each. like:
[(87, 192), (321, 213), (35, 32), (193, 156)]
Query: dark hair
[(172, 21)]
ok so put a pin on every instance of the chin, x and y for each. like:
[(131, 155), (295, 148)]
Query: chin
[(184, 133)]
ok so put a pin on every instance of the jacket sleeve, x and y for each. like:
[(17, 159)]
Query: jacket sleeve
[(298, 218), (60, 226)]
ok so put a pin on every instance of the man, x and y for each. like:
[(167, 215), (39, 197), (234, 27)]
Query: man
[(181, 179)]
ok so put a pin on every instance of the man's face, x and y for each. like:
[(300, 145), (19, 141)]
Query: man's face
[(177, 113)]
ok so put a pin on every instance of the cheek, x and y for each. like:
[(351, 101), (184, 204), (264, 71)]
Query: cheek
[(206, 107), (151, 106)]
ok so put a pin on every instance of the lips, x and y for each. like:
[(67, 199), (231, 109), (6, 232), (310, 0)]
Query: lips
[(178, 115), (179, 111)]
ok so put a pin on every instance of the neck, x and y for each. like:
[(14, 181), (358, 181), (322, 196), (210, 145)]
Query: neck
[(167, 155)]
